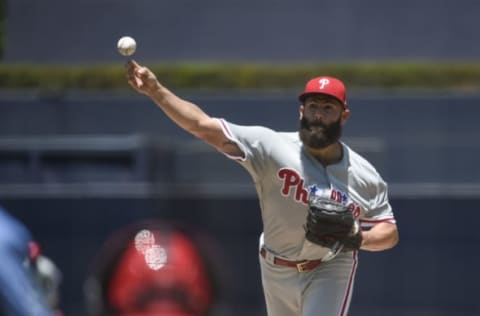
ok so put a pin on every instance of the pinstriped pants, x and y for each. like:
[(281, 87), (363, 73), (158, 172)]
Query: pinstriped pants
[(323, 291)]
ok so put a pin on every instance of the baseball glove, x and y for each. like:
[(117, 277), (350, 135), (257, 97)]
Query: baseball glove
[(332, 225)]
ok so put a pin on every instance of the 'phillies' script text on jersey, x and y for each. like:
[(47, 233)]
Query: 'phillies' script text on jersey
[(293, 181)]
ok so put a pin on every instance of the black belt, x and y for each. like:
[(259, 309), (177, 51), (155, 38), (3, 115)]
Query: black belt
[(301, 266)]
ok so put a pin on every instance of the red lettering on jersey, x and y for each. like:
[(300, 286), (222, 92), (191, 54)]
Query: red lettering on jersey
[(336, 196), (293, 180), (301, 194), (357, 211), (290, 179), (333, 195), (340, 197)]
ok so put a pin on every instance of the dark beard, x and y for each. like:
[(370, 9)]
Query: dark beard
[(317, 135)]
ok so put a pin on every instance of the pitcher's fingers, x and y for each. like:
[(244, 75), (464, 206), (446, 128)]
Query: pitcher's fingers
[(138, 82), (132, 67), (132, 63), (135, 84), (130, 75), (141, 72), (130, 82)]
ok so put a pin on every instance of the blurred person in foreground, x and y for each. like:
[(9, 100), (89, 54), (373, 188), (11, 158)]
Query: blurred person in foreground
[(155, 268), (21, 269)]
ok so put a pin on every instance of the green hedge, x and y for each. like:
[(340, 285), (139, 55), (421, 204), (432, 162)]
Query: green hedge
[(399, 75)]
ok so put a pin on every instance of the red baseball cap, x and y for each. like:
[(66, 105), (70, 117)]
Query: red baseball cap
[(325, 85)]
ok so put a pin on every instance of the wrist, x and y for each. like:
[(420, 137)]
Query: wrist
[(157, 91)]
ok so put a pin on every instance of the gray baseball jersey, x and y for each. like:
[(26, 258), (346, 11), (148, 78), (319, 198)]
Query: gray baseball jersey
[(284, 175)]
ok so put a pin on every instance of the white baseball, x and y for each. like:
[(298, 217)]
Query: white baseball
[(126, 46)]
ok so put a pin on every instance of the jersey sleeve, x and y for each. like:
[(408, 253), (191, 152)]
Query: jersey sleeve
[(380, 208), (253, 141)]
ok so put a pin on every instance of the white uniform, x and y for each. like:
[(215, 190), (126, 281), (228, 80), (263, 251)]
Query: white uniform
[(284, 175)]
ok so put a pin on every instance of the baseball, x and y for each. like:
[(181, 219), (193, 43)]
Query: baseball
[(126, 46)]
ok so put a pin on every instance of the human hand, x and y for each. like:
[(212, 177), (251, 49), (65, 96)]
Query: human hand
[(141, 78)]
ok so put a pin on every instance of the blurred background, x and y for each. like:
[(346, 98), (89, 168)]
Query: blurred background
[(78, 164)]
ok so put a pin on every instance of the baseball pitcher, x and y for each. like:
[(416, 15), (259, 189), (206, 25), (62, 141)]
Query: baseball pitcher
[(320, 201)]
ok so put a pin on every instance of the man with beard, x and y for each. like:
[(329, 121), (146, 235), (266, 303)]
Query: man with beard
[(298, 277)]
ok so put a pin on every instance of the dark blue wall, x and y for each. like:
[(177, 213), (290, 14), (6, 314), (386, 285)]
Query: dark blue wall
[(411, 138), (76, 167), (86, 31), (431, 272)]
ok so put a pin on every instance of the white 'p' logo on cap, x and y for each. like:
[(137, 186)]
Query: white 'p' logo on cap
[(323, 82)]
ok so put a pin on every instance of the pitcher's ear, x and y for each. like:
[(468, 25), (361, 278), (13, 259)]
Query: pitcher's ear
[(345, 116), (300, 111)]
